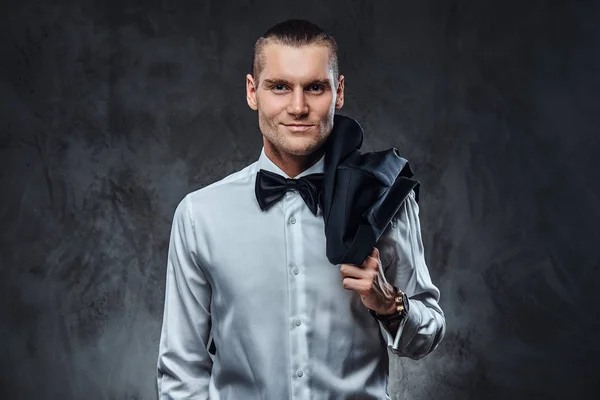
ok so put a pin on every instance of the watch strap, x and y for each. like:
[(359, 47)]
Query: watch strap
[(401, 302)]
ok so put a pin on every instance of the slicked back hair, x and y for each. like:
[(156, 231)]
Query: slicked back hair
[(295, 33)]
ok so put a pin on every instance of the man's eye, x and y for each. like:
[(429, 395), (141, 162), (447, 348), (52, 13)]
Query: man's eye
[(278, 87), (316, 88)]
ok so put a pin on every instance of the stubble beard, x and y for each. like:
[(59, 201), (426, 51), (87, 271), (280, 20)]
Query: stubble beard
[(287, 143)]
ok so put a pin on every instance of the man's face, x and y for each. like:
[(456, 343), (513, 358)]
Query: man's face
[(295, 87)]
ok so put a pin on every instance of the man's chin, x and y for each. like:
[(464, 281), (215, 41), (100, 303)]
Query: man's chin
[(302, 149)]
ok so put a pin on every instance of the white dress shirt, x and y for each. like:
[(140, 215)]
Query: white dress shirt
[(260, 284)]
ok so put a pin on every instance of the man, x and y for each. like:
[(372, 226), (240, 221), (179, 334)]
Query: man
[(286, 322)]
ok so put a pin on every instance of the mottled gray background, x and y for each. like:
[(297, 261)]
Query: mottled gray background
[(111, 113)]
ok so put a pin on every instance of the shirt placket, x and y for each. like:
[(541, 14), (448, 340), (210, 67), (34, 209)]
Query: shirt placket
[(297, 322)]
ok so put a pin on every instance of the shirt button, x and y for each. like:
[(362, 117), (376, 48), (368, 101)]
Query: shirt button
[(299, 373), (296, 270), (293, 220), (297, 322)]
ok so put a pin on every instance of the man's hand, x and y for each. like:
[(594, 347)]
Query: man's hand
[(369, 281)]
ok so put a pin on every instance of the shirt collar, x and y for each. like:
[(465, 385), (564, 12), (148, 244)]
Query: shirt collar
[(265, 162)]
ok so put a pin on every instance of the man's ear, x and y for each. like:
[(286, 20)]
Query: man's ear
[(251, 92), (339, 101)]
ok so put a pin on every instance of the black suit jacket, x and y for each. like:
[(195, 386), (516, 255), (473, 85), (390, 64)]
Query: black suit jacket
[(361, 193)]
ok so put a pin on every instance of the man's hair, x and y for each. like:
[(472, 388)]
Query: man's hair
[(295, 33)]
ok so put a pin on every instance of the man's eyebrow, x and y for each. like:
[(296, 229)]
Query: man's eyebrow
[(324, 82)]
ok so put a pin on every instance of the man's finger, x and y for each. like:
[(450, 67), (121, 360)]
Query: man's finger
[(374, 253), (372, 259), (358, 285), (352, 271)]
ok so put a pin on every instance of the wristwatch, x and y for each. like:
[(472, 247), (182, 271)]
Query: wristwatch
[(401, 301)]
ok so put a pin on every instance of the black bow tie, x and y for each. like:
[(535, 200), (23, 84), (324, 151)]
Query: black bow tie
[(271, 187)]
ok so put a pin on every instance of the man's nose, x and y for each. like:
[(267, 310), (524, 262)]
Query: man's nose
[(298, 104)]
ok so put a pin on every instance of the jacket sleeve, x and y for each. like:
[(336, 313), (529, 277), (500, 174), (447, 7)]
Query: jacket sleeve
[(424, 326), (184, 363)]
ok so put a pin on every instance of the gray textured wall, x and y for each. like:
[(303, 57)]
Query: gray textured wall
[(111, 113)]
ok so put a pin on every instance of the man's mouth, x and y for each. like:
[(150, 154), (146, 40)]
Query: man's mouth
[(298, 127)]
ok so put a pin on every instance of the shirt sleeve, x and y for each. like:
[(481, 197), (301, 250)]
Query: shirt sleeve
[(184, 363), (424, 326)]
